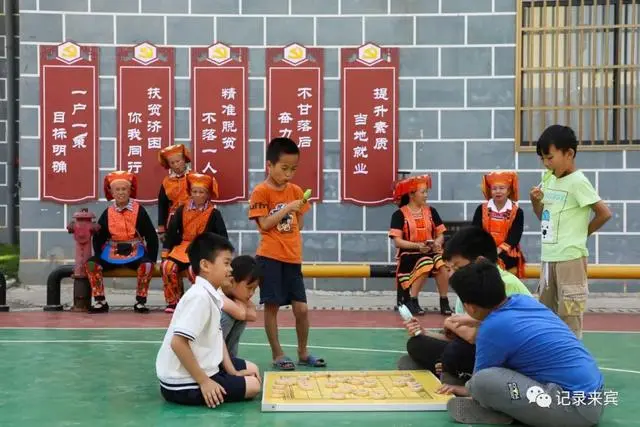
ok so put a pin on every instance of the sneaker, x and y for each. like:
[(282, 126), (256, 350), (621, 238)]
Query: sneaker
[(140, 308), (170, 308), (468, 411)]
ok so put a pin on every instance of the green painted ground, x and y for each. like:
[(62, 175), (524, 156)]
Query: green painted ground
[(91, 377)]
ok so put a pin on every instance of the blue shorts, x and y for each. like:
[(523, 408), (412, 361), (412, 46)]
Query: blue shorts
[(282, 282), (190, 394)]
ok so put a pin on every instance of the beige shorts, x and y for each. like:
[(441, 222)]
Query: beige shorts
[(564, 288)]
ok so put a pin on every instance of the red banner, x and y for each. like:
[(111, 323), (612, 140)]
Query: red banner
[(69, 99), (295, 94), (145, 113), (219, 107), (369, 123)]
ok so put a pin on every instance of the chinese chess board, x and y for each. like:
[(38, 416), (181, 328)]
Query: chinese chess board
[(339, 391)]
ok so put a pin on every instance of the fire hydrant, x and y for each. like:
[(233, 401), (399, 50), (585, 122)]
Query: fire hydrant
[(83, 227)]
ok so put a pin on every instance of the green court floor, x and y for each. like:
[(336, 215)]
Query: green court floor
[(106, 377)]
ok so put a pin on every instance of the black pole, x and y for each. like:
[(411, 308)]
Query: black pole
[(12, 152), (3, 293), (54, 283)]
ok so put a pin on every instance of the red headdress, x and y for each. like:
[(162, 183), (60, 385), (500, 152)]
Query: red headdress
[(172, 150), (409, 185), (120, 176), (506, 178), (207, 182)]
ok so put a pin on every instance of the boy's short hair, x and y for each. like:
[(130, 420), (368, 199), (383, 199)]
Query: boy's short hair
[(562, 137), (471, 243), (207, 246), (245, 267), (279, 146), (480, 284)]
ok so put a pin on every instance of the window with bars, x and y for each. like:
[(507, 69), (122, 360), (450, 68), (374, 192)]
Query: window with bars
[(578, 64)]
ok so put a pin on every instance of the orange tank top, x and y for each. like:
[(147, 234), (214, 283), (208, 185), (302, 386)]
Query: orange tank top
[(176, 190), (498, 224), (418, 228), (122, 224)]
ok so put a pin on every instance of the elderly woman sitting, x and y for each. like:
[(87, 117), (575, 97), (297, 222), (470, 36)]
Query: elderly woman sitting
[(127, 239)]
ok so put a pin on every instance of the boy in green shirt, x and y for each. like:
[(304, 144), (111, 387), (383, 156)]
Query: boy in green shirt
[(563, 202)]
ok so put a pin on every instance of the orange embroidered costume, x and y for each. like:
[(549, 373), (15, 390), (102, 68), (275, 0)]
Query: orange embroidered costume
[(173, 190), (420, 226), (127, 239), (501, 216), (189, 220)]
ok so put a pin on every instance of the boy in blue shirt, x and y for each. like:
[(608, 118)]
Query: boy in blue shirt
[(527, 358)]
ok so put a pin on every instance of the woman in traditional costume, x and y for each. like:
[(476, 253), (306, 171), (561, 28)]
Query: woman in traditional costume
[(196, 216), (126, 239), (173, 190), (501, 216), (418, 234)]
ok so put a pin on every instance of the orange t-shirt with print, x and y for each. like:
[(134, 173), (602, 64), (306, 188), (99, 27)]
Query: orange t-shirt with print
[(283, 242)]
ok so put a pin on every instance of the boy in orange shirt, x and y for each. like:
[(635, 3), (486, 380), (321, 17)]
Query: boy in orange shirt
[(278, 206)]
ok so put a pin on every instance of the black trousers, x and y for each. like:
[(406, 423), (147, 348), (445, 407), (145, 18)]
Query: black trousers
[(457, 356)]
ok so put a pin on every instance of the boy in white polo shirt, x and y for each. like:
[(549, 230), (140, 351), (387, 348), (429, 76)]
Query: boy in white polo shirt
[(193, 364)]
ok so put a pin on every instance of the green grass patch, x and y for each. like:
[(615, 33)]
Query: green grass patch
[(9, 260)]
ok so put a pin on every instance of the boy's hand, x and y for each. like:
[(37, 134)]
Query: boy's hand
[(412, 326), (212, 392), (458, 390), (536, 194), (295, 206)]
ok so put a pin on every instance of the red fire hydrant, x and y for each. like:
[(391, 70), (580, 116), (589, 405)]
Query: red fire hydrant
[(83, 227)]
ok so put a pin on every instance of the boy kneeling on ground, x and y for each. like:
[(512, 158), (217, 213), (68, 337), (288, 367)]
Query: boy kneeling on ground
[(193, 364), (527, 359), (238, 307)]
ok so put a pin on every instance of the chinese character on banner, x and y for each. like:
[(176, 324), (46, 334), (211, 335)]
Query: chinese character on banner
[(369, 89), (69, 122), (219, 108), (146, 99), (295, 93)]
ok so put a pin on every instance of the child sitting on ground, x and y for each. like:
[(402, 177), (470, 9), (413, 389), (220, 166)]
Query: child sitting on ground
[(193, 364), (453, 354), (527, 359), (418, 234), (238, 308)]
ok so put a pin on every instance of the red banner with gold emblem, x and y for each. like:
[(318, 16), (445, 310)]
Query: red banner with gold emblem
[(69, 122), (295, 93), (369, 123), (219, 108), (145, 113)]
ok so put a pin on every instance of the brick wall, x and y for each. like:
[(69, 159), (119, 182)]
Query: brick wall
[(456, 119)]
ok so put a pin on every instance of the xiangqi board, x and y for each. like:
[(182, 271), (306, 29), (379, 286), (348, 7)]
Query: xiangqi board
[(338, 391)]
